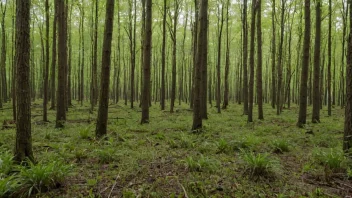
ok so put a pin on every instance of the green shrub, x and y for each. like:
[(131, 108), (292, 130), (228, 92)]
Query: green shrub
[(84, 132), (258, 164), (201, 164), (222, 146), (280, 146), (247, 143), (106, 155), (6, 163), (333, 159), (8, 186), (40, 177)]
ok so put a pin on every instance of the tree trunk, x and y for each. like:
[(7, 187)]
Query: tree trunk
[(102, 119), (62, 48), (251, 64), (218, 69), (47, 59), (280, 61), (305, 67), (23, 146), (329, 62), (54, 56), (316, 83), (202, 51), (163, 64), (227, 59), (273, 57), (147, 62), (259, 64), (347, 138), (245, 58)]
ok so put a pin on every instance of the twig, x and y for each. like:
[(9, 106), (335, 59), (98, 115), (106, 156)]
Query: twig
[(184, 190), (118, 176)]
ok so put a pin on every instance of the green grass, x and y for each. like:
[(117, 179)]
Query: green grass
[(165, 159)]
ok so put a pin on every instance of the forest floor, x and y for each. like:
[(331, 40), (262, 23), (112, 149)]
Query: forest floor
[(230, 158)]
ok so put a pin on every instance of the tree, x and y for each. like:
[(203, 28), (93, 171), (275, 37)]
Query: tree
[(227, 59), (54, 56), (94, 85), (47, 59), (23, 145), (347, 137), (280, 60), (251, 65), (163, 64), (201, 61), (259, 63), (102, 119), (62, 79), (245, 58), (218, 69), (329, 61), (305, 66), (147, 62), (3, 83), (273, 56), (316, 84)]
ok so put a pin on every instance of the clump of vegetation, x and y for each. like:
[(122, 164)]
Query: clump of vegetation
[(6, 163), (106, 155), (247, 143), (8, 186), (40, 177), (200, 165), (280, 146), (258, 164), (84, 132), (333, 159), (223, 146)]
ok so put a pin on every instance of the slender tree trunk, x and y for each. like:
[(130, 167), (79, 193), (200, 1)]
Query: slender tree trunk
[(251, 64), (218, 69), (174, 42), (62, 48), (23, 145), (53, 57), (147, 62), (259, 63), (316, 83), (227, 59), (47, 59), (102, 119), (202, 51), (329, 62), (347, 138), (305, 67), (94, 86), (280, 61), (273, 56), (163, 64), (245, 58)]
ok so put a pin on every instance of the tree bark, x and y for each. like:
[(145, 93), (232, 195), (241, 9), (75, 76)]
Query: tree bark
[(316, 83), (23, 145), (202, 42), (305, 67), (260, 62), (102, 119), (245, 58), (62, 48), (147, 62), (251, 65)]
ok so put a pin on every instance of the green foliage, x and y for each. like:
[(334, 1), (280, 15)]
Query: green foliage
[(222, 146), (333, 159), (202, 164), (84, 132), (247, 143), (6, 163), (106, 155), (8, 186), (280, 146), (40, 177), (258, 164)]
